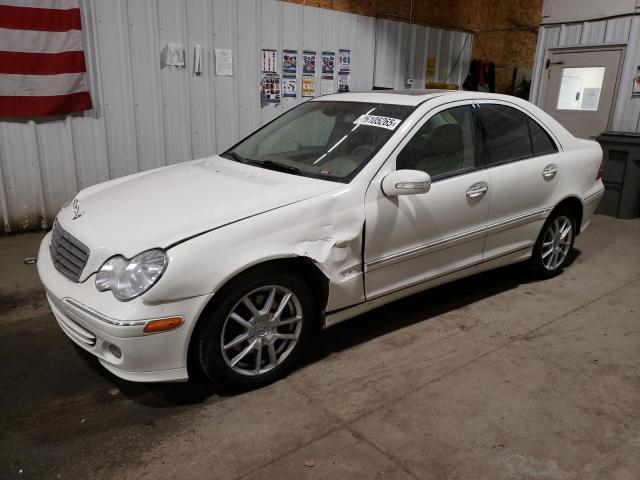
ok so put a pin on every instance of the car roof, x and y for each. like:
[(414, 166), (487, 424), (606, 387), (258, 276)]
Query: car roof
[(395, 97), (411, 97)]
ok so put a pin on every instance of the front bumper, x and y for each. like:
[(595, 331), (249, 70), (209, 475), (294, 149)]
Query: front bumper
[(113, 330)]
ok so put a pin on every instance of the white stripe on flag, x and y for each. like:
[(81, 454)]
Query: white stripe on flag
[(42, 85), (33, 41), (55, 4)]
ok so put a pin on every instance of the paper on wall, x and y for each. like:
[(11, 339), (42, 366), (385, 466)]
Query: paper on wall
[(269, 62), (328, 61), (635, 92), (344, 60), (431, 66), (224, 62), (289, 86), (309, 61), (271, 89), (197, 59), (327, 84), (344, 79), (308, 86), (172, 55), (289, 62)]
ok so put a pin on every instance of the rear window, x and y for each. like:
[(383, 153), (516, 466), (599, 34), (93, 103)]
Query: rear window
[(542, 142), (512, 135), (507, 134)]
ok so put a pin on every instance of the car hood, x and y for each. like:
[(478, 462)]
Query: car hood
[(161, 207)]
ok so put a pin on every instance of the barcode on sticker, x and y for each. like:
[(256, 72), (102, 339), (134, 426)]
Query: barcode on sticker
[(377, 121)]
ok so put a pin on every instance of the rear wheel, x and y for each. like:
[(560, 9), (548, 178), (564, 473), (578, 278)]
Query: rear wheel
[(258, 330), (551, 251)]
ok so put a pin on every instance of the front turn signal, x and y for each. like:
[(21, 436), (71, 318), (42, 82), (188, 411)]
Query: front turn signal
[(163, 324)]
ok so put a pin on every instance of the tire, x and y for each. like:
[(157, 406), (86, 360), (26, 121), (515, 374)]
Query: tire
[(272, 346), (552, 250)]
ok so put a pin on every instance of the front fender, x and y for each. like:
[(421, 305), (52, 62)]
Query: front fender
[(326, 229)]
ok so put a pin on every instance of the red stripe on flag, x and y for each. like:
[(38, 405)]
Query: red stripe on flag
[(39, 106), (42, 63), (45, 19)]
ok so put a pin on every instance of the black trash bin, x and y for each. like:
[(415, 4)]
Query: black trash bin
[(621, 176)]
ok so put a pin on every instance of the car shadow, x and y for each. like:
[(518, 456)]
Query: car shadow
[(423, 306), (420, 307)]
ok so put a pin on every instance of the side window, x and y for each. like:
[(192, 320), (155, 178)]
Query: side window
[(507, 134), (445, 144), (542, 143)]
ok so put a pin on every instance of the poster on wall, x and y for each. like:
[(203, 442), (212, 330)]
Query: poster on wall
[(224, 62), (309, 61), (344, 60), (636, 84), (327, 84), (289, 62), (328, 61), (269, 63), (271, 89), (308, 86), (289, 86), (431, 66), (343, 82)]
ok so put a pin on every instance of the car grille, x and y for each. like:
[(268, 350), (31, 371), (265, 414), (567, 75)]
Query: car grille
[(69, 254)]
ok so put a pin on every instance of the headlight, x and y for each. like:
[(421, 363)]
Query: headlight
[(128, 279)]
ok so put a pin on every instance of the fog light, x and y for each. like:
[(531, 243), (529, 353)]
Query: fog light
[(162, 324), (115, 351)]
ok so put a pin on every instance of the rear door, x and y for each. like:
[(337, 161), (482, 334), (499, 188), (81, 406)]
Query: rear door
[(523, 163)]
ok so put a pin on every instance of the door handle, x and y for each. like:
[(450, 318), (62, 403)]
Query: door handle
[(477, 189), (550, 171)]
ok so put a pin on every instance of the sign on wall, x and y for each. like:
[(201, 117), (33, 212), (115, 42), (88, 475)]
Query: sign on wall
[(635, 92), (308, 62)]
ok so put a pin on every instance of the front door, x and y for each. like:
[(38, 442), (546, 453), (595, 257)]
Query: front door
[(579, 89), (411, 239)]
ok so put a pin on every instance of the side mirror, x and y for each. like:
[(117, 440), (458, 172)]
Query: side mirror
[(406, 182)]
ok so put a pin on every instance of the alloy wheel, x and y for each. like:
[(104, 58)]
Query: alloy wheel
[(557, 242), (261, 330)]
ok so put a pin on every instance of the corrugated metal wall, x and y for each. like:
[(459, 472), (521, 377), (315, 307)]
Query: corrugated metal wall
[(399, 43), (148, 117), (612, 31)]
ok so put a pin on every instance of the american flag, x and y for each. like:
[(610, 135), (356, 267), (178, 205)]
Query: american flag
[(42, 66)]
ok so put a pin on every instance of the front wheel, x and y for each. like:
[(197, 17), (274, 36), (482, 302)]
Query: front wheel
[(551, 251), (258, 329)]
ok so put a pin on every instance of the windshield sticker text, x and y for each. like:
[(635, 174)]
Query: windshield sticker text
[(377, 121)]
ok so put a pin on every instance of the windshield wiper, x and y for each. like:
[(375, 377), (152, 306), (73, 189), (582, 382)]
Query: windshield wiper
[(234, 156), (276, 166), (270, 164)]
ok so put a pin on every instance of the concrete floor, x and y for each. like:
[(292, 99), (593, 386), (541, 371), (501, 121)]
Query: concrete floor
[(490, 377)]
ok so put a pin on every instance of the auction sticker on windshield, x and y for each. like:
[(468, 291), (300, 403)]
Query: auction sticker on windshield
[(377, 121)]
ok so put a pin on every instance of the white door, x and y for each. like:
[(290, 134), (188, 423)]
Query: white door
[(524, 170), (414, 238), (579, 89)]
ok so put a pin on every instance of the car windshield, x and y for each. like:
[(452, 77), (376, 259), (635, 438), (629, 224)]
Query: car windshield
[(322, 139)]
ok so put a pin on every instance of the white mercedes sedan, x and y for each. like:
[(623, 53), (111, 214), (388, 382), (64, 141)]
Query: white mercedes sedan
[(225, 267)]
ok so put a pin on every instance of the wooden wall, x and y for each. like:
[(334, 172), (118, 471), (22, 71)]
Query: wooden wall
[(505, 31)]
